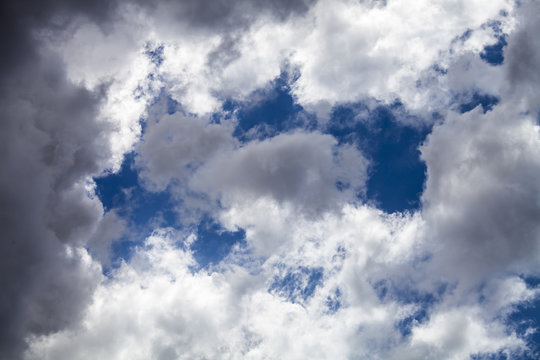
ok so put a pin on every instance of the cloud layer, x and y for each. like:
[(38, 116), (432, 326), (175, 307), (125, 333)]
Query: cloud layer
[(317, 270)]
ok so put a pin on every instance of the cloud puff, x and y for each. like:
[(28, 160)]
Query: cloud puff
[(301, 169), (482, 197), (175, 146)]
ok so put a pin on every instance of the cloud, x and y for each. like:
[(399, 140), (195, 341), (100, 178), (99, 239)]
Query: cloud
[(50, 145), (481, 195), (174, 146), (157, 306), (522, 57), (320, 274), (301, 169), (224, 16), (344, 51)]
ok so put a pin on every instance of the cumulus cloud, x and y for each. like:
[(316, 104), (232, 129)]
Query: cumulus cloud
[(301, 169), (156, 306), (344, 51), (481, 198), (481, 195), (175, 146)]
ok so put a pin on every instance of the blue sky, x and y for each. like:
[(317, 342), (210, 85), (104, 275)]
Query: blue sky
[(286, 180)]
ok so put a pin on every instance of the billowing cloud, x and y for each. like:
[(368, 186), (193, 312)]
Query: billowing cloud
[(51, 143), (176, 146), (302, 169), (481, 198)]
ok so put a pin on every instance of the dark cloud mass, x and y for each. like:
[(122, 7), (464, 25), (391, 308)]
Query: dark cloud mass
[(226, 14), (49, 142), (20, 20)]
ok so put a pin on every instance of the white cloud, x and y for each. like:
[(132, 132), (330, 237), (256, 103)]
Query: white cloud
[(155, 306), (345, 51), (459, 333)]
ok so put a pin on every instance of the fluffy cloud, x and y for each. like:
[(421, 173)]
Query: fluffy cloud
[(481, 198), (175, 146), (300, 169), (344, 51), (157, 306)]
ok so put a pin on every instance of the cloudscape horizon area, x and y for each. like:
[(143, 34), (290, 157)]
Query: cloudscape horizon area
[(303, 179)]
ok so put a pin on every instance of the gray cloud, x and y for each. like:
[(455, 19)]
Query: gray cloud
[(174, 146), (227, 15), (50, 143), (482, 197), (522, 57), (20, 20), (300, 168)]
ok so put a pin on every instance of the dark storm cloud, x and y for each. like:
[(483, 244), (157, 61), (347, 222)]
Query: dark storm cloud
[(227, 14), (20, 19), (49, 142)]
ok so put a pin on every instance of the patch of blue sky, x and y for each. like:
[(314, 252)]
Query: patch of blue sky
[(145, 210), (269, 111), (485, 100), (155, 53), (297, 285), (334, 301), (494, 54), (525, 321), (122, 192), (213, 242), (397, 173), (402, 293), (419, 316), (173, 106)]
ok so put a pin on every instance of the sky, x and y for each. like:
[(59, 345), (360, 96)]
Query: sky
[(302, 179)]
